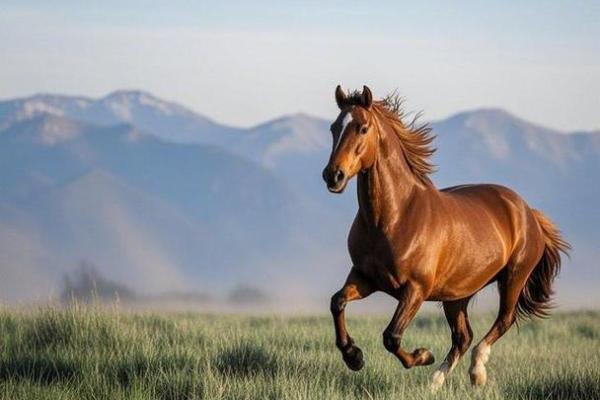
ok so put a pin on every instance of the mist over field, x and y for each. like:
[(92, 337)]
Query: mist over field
[(167, 205)]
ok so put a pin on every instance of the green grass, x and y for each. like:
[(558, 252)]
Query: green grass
[(80, 353)]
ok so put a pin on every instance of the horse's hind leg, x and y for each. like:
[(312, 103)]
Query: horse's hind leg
[(462, 335), (510, 285)]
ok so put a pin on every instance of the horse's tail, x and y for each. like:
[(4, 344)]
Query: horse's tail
[(535, 298)]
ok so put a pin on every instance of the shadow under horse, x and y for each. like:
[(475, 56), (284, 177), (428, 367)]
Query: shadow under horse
[(417, 243)]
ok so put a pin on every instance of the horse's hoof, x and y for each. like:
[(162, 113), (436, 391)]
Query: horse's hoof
[(423, 357), (354, 358), (478, 375)]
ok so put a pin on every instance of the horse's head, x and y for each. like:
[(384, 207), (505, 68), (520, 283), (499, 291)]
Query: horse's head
[(354, 139)]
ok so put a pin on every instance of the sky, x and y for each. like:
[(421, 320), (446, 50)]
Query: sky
[(242, 63)]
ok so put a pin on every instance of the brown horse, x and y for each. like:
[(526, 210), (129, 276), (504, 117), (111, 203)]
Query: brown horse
[(417, 243)]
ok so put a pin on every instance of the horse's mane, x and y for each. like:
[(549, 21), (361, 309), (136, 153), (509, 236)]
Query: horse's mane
[(416, 137)]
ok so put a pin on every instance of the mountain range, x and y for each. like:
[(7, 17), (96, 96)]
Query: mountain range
[(163, 198)]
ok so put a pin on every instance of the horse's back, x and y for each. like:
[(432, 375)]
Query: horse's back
[(502, 206), (485, 194), (480, 188)]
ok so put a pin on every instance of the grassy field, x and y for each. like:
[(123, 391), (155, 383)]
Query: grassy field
[(79, 353)]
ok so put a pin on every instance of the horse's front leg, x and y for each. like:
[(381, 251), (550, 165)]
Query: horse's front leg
[(356, 287), (410, 297)]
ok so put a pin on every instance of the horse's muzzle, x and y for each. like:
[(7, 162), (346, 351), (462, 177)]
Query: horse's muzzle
[(335, 178)]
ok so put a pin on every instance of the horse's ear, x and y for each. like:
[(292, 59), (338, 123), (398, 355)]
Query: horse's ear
[(366, 98), (340, 97)]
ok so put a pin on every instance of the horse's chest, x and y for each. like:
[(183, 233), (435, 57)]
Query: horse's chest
[(380, 254), (378, 264)]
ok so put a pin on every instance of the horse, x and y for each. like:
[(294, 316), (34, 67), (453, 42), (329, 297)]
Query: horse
[(417, 243)]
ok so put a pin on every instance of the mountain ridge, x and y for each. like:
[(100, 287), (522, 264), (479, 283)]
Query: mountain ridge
[(137, 107), (139, 93)]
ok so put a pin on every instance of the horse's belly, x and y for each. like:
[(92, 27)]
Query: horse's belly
[(466, 279)]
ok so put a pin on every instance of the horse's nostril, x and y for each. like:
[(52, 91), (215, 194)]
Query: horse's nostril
[(333, 176)]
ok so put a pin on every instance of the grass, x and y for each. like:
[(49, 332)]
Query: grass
[(88, 353)]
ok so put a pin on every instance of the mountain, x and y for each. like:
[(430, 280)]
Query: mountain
[(143, 208), (295, 147), (274, 142), (215, 206), (98, 217), (165, 119)]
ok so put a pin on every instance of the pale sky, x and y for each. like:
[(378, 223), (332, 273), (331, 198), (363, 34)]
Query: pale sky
[(242, 63)]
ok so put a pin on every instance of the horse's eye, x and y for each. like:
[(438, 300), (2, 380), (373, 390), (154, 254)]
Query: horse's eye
[(364, 129)]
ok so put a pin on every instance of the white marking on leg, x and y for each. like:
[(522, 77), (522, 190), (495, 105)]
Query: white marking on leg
[(479, 358), (483, 353), (439, 376), (347, 119)]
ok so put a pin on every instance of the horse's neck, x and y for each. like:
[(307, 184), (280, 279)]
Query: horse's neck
[(389, 187)]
